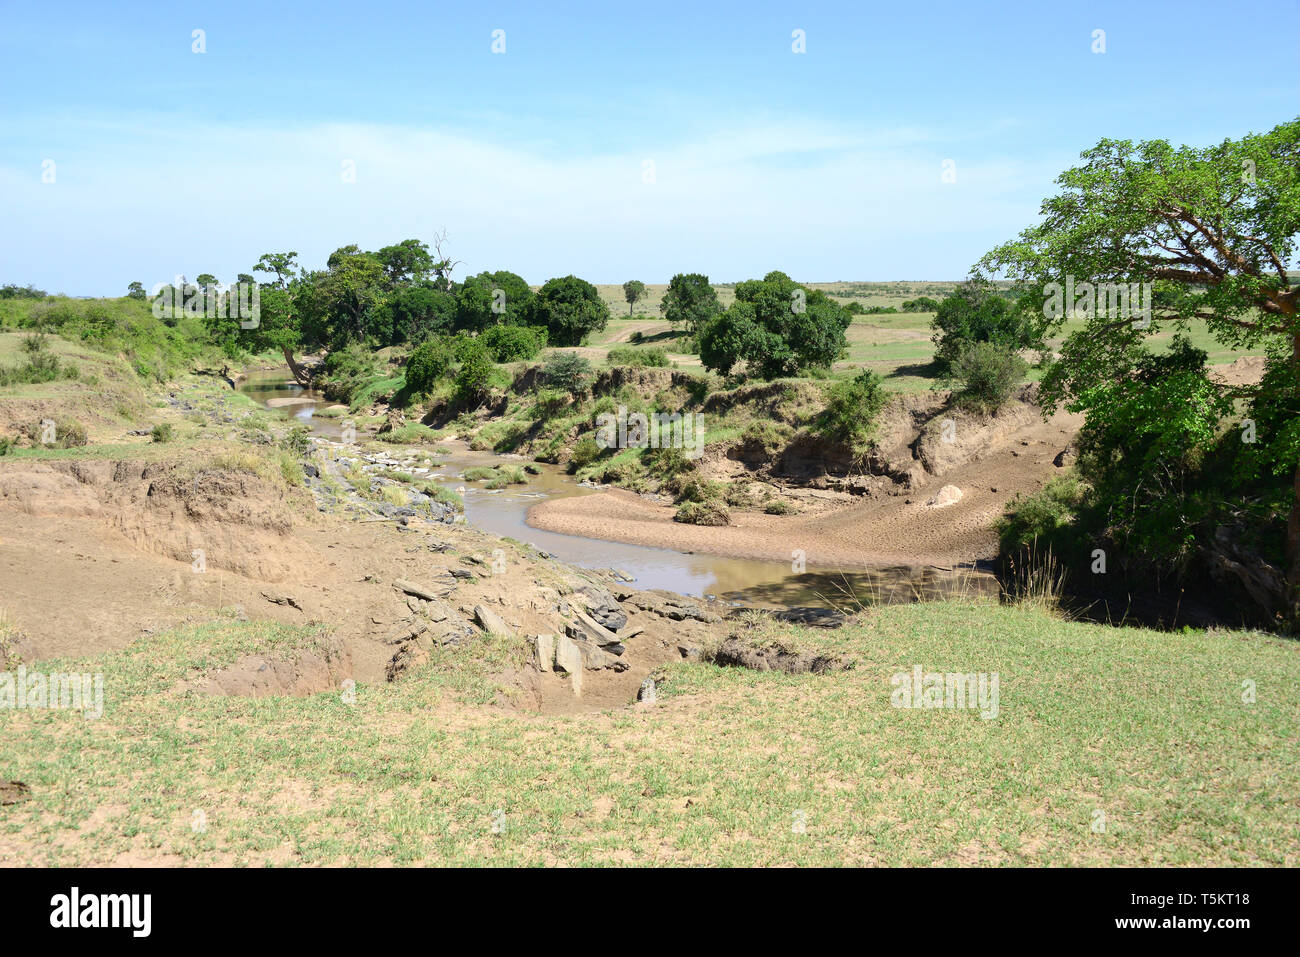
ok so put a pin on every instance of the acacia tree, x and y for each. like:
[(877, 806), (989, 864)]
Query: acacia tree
[(279, 325), (1214, 231), (633, 292)]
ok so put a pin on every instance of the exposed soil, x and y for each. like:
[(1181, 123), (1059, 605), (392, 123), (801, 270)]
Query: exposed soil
[(93, 554), (888, 513)]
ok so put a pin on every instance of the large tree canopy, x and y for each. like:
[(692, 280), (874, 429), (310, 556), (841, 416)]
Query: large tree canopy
[(1213, 230), (690, 301), (777, 326), (569, 308), (492, 298)]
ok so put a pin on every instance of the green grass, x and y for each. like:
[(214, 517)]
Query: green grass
[(1148, 728)]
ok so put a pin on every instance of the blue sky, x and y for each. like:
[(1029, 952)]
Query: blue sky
[(826, 164)]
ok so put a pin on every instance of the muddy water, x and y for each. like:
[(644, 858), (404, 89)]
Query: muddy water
[(744, 581)]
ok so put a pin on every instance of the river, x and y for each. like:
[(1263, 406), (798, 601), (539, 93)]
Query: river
[(504, 512)]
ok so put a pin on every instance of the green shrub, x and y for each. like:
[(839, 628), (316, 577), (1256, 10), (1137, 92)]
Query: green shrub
[(585, 451), (298, 440), (162, 432), (40, 367), (550, 403), (711, 512), (1044, 522), (445, 495), (637, 358), (851, 409), (474, 379), (667, 463), (691, 488), (985, 375), (68, 433), (569, 372), (513, 343), (977, 312), (430, 361), (346, 371), (776, 507)]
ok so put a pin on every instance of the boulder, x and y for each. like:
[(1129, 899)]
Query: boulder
[(491, 622), (948, 495), (568, 659), (544, 652), (584, 628)]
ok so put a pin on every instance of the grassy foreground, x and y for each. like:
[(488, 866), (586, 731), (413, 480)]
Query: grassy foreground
[(729, 767)]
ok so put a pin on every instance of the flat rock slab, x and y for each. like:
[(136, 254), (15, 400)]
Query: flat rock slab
[(491, 622), (586, 628)]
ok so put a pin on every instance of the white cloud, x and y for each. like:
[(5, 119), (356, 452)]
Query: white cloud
[(158, 197)]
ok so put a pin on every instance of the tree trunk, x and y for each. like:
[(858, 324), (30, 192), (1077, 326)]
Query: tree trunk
[(300, 374)]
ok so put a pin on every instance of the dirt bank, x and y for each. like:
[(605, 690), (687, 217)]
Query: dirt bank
[(990, 463)]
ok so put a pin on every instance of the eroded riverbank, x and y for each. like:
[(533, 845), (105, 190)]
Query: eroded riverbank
[(752, 564)]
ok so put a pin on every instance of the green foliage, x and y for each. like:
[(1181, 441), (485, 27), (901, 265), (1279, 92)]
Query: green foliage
[(568, 372), (473, 380), (690, 301), (633, 292), (444, 495), (778, 327), (297, 440), (1164, 445), (1043, 519), (513, 343), (585, 451), (123, 326), (1147, 433), (921, 304), (428, 364), (569, 308), (41, 366), (407, 261), (493, 298), (346, 371), (852, 408), (984, 376), (707, 512), (637, 358), (162, 432), (977, 313), (420, 312), (14, 291), (550, 403), (68, 433)]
